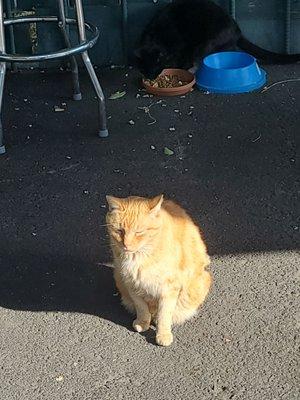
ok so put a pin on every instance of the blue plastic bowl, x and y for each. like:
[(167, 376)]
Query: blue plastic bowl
[(230, 72)]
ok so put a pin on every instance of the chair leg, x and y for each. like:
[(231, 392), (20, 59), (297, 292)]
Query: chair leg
[(73, 63), (2, 74), (103, 132)]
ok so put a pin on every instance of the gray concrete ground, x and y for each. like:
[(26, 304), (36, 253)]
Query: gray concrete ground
[(63, 332)]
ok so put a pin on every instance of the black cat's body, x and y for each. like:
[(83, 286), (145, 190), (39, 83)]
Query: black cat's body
[(185, 31)]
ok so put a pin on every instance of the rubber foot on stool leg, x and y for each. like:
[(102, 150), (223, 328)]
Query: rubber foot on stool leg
[(77, 96), (2, 149), (103, 133)]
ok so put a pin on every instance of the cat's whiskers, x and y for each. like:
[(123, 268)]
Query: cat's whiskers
[(146, 250)]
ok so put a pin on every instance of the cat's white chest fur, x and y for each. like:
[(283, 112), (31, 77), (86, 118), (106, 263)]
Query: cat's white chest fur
[(145, 281)]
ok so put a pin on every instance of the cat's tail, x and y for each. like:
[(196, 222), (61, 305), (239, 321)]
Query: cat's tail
[(266, 55)]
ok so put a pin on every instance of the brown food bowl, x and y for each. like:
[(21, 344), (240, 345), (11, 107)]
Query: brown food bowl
[(182, 74)]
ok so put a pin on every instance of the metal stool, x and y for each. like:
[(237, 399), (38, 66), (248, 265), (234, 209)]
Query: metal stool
[(70, 51)]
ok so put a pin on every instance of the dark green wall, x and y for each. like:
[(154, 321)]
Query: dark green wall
[(262, 21)]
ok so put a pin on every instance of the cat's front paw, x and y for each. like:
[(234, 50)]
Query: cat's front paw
[(164, 339), (140, 326)]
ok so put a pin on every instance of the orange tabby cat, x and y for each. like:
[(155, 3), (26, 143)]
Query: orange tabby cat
[(160, 260)]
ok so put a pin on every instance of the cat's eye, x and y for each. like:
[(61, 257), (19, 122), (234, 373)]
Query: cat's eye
[(139, 233), (119, 231)]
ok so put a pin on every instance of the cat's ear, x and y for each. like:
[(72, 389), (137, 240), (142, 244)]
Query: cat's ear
[(114, 203), (155, 204)]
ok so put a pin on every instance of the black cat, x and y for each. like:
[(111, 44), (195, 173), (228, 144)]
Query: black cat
[(185, 31)]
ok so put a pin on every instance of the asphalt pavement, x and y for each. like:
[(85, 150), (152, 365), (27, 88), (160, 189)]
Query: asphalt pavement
[(64, 334)]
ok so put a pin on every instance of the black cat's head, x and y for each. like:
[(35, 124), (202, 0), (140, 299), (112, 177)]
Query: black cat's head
[(151, 60)]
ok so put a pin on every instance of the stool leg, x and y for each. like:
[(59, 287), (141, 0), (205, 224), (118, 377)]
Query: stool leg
[(2, 74), (73, 63), (11, 33), (103, 132)]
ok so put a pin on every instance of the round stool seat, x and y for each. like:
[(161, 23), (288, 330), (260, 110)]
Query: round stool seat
[(80, 48)]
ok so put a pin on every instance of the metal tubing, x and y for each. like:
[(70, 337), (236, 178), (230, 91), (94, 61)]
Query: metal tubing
[(83, 46), (288, 27), (73, 63), (11, 33), (233, 8), (103, 132), (2, 74), (125, 30)]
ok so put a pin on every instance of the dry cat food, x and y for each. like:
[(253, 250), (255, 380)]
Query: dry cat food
[(166, 81)]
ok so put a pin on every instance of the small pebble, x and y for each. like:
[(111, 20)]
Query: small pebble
[(172, 129), (131, 122), (59, 378), (229, 137), (152, 147), (176, 111), (68, 157), (190, 135), (86, 192)]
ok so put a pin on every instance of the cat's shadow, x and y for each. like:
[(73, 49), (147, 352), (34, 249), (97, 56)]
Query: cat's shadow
[(56, 283)]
